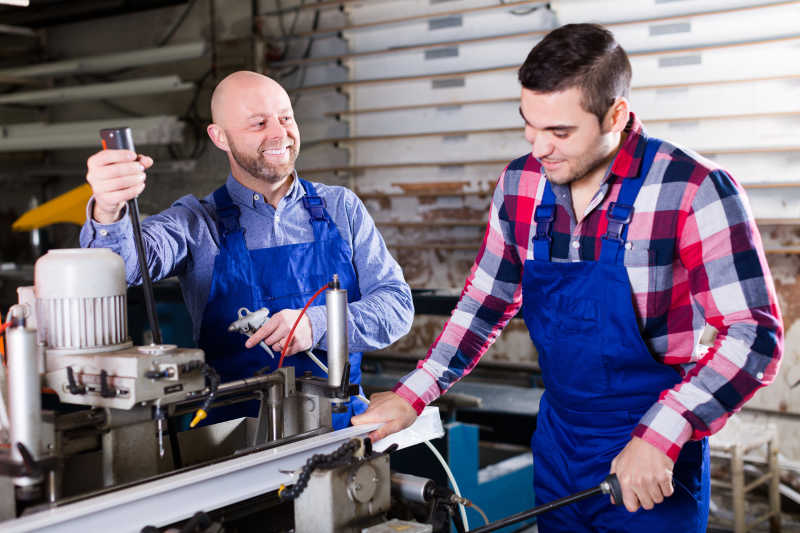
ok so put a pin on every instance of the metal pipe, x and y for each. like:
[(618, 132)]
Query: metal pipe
[(230, 388), (275, 403), (24, 394), (336, 305)]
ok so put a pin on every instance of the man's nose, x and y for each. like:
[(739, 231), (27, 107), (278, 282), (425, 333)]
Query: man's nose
[(275, 128), (540, 145)]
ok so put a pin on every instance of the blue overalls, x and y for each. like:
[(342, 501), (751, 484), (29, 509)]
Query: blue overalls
[(600, 378), (281, 277)]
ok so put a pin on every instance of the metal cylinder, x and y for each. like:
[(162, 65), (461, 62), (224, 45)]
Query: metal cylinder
[(336, 304), (24, 394), (412, 488), (275, 403)]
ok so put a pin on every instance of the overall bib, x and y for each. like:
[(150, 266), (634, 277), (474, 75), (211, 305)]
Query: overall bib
[(281, 277), (600, 378)]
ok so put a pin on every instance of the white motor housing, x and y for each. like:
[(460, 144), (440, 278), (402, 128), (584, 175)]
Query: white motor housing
[(81, 300)]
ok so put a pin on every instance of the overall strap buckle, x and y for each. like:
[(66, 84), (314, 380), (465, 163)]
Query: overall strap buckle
[(544, 217), (619, 215), (227, 211), (315, 206)]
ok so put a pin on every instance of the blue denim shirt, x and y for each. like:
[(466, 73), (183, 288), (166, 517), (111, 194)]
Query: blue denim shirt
[(183, 241)]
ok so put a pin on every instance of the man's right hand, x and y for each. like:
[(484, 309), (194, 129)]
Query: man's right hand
[(388, 407), (115, 176)]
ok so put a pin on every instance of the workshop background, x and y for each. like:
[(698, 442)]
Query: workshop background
[(414, 105)]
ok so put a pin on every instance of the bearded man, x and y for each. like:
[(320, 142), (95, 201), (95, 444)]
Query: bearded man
[(266, 238)]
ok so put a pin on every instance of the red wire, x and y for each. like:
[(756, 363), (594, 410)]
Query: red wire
[(291, 332), (4, 326)]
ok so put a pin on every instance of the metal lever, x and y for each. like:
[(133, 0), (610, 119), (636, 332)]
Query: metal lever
[(122, 139), (32, 468), (610, 485)]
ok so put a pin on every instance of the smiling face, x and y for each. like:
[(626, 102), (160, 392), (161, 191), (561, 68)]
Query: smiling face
[(569, 141), (254, 123)]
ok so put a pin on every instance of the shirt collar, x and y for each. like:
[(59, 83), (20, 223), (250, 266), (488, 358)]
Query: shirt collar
[(244, 196), (628, 160)]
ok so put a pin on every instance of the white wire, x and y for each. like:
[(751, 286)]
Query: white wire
[(452, 479), (450, 476), (430, 446)]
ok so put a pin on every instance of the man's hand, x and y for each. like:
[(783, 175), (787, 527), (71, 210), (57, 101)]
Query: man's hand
[(115, 176), (390, 408), (276, 329), (644, 473)]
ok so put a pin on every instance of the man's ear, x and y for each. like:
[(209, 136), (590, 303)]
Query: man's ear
[(217, 135), (617, 116)]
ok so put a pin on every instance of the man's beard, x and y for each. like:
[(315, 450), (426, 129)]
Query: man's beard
[(583, 167), (260, 169)]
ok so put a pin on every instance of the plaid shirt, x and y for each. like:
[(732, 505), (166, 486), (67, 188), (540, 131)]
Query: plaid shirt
[(694, 256)]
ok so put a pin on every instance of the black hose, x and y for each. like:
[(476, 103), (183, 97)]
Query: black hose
[(343, 452)]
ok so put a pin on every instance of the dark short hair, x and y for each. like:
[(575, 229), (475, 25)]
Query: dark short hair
[(579, 55)]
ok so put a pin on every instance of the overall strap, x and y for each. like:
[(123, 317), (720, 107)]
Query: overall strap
[(227, 211), (620, 213), (544, 216), (315, 205)]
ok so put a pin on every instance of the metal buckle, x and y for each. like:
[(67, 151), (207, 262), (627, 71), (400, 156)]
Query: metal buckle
[(619, 215)]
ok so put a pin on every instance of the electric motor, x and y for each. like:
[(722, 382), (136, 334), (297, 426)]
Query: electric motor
[(81, 300)]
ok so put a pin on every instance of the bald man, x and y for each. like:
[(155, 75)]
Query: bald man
[(266, 238)]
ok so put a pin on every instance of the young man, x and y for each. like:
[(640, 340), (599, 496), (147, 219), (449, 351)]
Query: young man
[(266, 238), (619, 248)]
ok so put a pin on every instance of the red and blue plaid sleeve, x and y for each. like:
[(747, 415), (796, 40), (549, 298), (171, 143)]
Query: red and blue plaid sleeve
[(491, 296), (727, 276)]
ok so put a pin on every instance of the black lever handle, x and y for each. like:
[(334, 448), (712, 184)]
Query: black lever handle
[(32, 468), (610, 485), (122, 139)]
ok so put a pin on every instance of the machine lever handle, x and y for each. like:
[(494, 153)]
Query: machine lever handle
[(32, 468), (611, 486)]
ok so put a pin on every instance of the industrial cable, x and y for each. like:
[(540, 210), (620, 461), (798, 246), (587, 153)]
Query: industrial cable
[(318, 460), (297, 321), (164, 40), (213, 384), (459, 499), (470, 503), (462, 511), (430, 446)]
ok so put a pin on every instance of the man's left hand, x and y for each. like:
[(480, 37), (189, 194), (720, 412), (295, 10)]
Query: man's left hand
[(276, 329), (644, 473)]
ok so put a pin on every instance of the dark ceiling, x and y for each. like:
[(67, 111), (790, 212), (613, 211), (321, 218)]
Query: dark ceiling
[(43, 13)]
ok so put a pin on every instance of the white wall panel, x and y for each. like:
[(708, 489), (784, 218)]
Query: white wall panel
[(443, 118), (605, 11), (435, 149), (470, 26), (412, 92)]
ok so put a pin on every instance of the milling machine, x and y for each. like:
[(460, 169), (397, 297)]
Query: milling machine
[(107, 453)]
